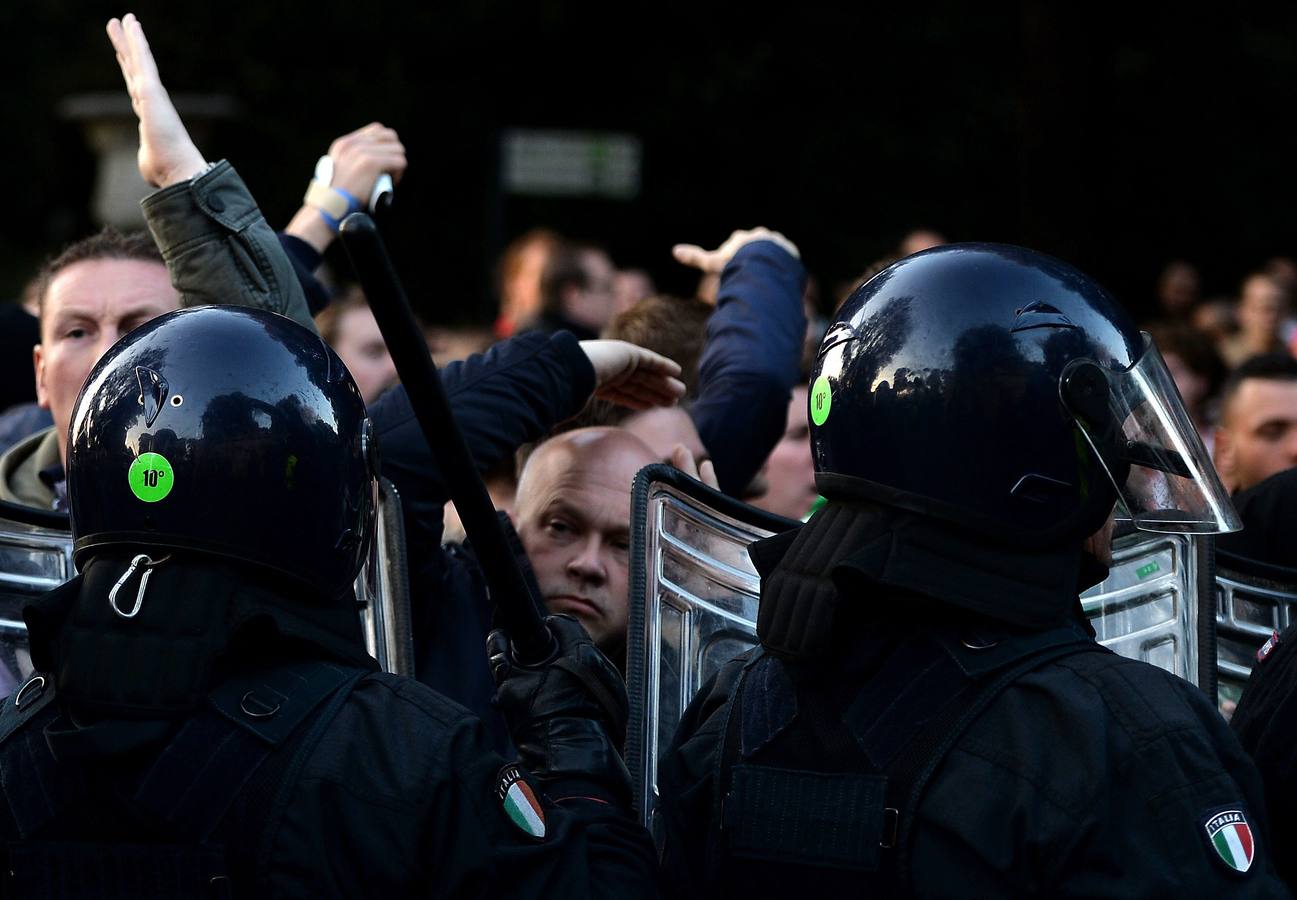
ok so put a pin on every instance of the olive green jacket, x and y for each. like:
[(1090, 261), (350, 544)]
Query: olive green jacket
[(218, 250)]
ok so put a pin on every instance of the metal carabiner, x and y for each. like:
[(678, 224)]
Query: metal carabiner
[(140, 559)]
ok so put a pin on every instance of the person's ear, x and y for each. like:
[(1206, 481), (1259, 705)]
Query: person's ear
[(38, 363)]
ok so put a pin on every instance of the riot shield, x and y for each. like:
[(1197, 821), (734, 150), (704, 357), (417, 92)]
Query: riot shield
[(693, 605), (694, 595), (1253, 601), (1156, 604), (36, 556), (383, 589)]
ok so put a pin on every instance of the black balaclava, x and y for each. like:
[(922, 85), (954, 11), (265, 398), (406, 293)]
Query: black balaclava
[(808, 573), (197, 616)]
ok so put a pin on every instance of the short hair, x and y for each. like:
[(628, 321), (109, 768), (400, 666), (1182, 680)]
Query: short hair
[(672, 326), (565, 268), (1266, 367), (109, 243), (329, 319)]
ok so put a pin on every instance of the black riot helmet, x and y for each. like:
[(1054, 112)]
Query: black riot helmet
[(1003, 391), (228, 431)]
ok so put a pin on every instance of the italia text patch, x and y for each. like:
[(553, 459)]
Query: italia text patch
[(1230, 837), (519, 801)]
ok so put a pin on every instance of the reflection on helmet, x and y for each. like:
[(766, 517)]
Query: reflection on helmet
[(228, 431), (956, 380)]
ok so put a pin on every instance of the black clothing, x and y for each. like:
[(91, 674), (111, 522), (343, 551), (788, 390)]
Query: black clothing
[(303, 774), (1266, 724), (1090, 775), (512, 394), (1269, 514), (19, 332)]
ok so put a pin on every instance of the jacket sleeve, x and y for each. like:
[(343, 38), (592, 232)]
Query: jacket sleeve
[(219, 249), (501, 399), (408, 795), (750, 362)]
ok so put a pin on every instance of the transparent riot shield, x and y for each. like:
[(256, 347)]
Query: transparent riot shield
[(1253, 601), (383, 589), (1156, 603), (693, 605), (694, 594), (36, 556)]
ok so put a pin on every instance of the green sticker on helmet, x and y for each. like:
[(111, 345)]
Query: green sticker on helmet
[(821, 400), (150, 477)]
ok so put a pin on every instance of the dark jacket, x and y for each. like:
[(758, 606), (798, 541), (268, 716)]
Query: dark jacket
[(512, 394), (750, 361), (1090, 776), (310, 774)]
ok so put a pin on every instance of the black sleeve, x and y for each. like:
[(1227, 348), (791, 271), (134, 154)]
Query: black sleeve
[(305, 260), (404, 793), (750, 362), (501, 399)]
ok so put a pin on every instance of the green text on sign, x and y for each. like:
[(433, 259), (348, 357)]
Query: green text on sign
[(1145, 571), (151, 477)]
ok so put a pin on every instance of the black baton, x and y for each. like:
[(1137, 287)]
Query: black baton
[(518, 611)]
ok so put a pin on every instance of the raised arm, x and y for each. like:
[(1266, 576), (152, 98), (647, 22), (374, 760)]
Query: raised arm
[(214, 240), (752, 355)]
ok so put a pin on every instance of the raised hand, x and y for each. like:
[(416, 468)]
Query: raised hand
[(167, 155), (713, 261), (631, 376)]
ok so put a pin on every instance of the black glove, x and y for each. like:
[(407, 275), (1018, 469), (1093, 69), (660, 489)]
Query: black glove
[(567, 716)]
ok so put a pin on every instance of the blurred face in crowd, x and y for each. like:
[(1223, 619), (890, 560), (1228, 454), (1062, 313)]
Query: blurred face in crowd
[(593, 305), (1257, 436), (1192, 386), (87, 307), (359, 344), (1261, 308), (1178, 288), (790, 471), (573, 516)]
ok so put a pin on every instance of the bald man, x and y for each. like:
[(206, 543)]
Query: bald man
[(573, 517)]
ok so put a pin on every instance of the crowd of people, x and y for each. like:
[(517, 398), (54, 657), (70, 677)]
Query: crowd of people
[(248, 742)]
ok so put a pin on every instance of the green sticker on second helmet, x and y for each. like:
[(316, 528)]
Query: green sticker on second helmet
[(821, 400), (150, 477)]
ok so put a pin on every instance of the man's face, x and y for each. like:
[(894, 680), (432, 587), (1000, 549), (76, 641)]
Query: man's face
[(1257, 437), (88, 306), (790, 470), (359, 344), (573, 517)]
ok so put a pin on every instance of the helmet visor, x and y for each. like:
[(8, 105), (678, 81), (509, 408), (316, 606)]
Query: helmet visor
[(1152, 452)]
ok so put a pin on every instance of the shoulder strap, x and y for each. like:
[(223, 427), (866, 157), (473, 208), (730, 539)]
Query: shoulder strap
[(911, 770), (24, 703), (205, 766), (248, 830)]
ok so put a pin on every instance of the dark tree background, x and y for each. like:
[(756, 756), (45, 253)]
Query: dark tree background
[(1117, 136)]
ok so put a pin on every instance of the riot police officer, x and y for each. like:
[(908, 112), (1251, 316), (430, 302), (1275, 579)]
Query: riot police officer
[(206, 721), (928, 714)]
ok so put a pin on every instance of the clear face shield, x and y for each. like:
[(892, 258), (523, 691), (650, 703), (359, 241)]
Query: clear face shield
[(1136, 423)]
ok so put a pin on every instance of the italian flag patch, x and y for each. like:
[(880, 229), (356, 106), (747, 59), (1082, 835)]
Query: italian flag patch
[(519, 801), (1231, 837)]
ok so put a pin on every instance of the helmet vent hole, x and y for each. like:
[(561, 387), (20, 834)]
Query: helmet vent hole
[(177, 400)]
